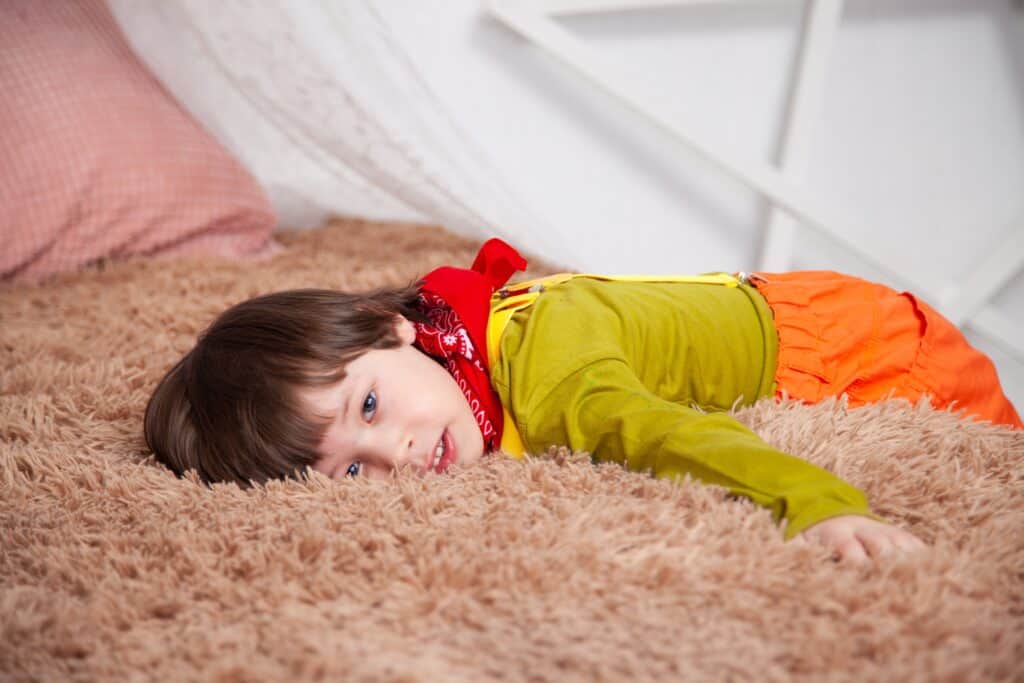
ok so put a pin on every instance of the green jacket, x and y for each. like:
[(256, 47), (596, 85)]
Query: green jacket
[(643, 373)]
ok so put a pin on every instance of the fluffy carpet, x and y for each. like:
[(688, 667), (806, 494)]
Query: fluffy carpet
[(548, 569)]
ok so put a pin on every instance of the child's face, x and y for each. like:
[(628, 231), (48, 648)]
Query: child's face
[(395, 408)]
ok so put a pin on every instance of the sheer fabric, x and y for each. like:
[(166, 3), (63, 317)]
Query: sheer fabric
[(323, 103)]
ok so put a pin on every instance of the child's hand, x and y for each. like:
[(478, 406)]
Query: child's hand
[(855, 538)]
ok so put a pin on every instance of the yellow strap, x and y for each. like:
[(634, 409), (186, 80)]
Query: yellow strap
[(509, 300)]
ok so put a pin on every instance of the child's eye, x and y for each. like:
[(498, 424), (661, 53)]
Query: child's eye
[(354, 469), (370, 406)]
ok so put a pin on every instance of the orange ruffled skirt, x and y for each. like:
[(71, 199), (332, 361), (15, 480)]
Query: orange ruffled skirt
[(840, 334)]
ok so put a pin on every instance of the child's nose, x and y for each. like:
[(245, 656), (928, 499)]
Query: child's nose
[(395, 448)]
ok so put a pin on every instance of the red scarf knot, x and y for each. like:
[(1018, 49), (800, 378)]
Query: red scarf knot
[(456, 302)]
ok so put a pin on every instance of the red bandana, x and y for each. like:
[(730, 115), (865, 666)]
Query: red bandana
[(456, 301)]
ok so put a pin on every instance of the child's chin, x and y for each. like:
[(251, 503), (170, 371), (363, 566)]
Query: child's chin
[(473, 456)]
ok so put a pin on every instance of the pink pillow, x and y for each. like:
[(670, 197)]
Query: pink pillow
[(98, 160)]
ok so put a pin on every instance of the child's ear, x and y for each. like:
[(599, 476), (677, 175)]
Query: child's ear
[(406, 330)]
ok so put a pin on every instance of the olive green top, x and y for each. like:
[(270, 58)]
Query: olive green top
[(643, 373)]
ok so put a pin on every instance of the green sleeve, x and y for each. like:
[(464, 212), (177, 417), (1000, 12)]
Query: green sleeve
[(603, 409)]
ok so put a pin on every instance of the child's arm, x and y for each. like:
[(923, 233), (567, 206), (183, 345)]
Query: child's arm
[(604, 409)]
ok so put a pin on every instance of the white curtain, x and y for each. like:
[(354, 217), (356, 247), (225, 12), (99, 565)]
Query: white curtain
[(323, 103)]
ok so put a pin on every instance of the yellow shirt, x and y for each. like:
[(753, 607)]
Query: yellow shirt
[(626, 370)]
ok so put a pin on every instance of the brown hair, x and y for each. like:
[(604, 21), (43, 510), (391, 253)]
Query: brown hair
[(230, 410)]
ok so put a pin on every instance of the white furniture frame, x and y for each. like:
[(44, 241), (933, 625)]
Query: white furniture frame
[(966, 303)]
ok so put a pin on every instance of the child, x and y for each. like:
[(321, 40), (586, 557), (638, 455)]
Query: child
[(640, 371)]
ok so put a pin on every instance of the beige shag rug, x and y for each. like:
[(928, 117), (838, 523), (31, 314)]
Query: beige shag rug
[(550, 569)]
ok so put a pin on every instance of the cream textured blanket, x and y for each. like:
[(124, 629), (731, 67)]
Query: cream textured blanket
[(550, 569)]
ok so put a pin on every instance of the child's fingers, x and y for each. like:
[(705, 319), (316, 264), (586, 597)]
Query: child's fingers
[(851, 550), (908, 542), (856, 539), (881, 540), (876, 541)]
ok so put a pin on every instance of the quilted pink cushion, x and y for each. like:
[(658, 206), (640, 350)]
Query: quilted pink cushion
[(97, 160)]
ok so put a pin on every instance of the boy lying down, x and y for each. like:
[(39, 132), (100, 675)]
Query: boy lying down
[(640, 371)]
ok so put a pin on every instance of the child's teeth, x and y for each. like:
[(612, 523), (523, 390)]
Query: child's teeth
[(438, 451)]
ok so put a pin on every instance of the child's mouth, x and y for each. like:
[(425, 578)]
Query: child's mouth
[(444, 452)]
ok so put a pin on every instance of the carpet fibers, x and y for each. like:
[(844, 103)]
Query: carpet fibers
[(552, 569)]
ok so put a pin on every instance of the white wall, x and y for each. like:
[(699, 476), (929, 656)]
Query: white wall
[(921, 141)]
